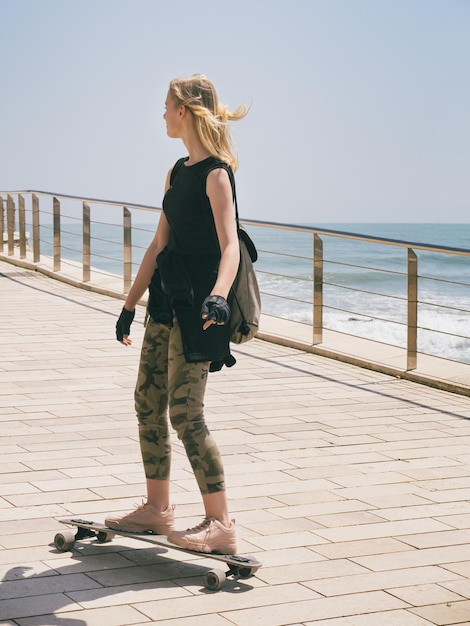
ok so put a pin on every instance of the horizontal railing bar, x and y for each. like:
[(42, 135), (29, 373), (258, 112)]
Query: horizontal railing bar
[(443, 332), (442, 306), (145, 207), (443, 280), (290, 298), (110, 241), (70, 218), (332, 308), (358, 237), (71, 233), (111, 224), (279, 317), (364, 267), (103, 272), (368, 268), (370, 293), (366, 315), (288, 255), (267, 273), (104, 256), (141, 230), (64, 247)]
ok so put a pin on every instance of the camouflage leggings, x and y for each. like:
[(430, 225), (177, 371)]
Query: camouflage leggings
[(166, 383)]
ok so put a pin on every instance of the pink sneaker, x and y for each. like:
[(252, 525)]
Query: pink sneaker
[(208, 536), (146, 517)]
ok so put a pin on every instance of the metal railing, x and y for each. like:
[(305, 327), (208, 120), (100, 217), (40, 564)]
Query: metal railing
[(294, 270)]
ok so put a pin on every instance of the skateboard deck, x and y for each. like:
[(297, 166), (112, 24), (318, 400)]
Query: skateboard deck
[(238, 566)]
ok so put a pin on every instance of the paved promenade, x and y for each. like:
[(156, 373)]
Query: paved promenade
[(351, 487)]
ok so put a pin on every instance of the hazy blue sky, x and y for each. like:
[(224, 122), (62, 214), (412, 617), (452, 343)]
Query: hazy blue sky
[(360, 108)]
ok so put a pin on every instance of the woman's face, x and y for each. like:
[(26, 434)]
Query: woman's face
[(172, 116)]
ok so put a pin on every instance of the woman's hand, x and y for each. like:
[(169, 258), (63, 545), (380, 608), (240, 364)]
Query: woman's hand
[(123, 326), (215, 310)]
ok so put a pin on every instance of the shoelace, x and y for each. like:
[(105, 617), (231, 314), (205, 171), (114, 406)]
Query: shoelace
[(137, 508), (204, 524)]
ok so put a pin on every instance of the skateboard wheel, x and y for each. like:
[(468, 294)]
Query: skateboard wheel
[(103, 537), (64, 541), (214, 579), (246, 572)]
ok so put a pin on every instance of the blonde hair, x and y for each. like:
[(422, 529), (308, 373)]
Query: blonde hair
[(211, 117)]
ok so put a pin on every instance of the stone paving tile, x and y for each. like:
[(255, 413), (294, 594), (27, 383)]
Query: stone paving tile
[(460, 586), (434, 540), (209, 620), (462, 567), (429, 510), (263, 598), (384, 529), (457, 521), (336, 570), (422, 594), (25, 540), (128, 594), (286, 540), (389, 618), (44, 586), (289, 556), (109, 616), (370, 581), (321, 608), (348, 549), (443, 614), (416, 558), (86, 561), (351, 487), (37, 605)]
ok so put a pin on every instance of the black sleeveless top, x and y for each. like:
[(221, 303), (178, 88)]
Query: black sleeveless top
[(188, 211), (188, 266)]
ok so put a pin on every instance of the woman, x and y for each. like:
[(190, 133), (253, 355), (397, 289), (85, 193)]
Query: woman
[(189, 268)]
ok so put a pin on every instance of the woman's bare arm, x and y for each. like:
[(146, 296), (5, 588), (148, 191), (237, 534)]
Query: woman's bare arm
[(219, 192)]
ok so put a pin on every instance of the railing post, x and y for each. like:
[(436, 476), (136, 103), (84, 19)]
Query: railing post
[(56, 231), (127, 249), (86, 243), (36, 229), (2, 223), (317, 289), (11, 225), (22, 226), (412, 317)]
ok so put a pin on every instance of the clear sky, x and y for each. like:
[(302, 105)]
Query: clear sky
[(360, 108)]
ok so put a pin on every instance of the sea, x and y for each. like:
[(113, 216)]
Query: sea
[(365, 284)]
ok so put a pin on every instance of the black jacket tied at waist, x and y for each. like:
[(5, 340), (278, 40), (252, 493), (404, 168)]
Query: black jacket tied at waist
[(179, 285)]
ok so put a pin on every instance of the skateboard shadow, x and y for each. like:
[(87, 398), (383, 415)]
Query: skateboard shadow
[(96, 571), (13, 607)]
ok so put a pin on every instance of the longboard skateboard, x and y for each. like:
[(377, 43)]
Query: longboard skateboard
[(238, 566)]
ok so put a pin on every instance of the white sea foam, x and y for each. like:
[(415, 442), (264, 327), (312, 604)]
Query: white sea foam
[(364, 302)]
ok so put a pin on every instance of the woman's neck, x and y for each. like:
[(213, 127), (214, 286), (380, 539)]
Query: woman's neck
[(196, 150)]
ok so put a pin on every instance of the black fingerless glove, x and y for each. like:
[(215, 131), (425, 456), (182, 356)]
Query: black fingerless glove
[(123, 325), (216, 308)]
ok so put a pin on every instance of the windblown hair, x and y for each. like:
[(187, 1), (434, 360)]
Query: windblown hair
[(211, 117)]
